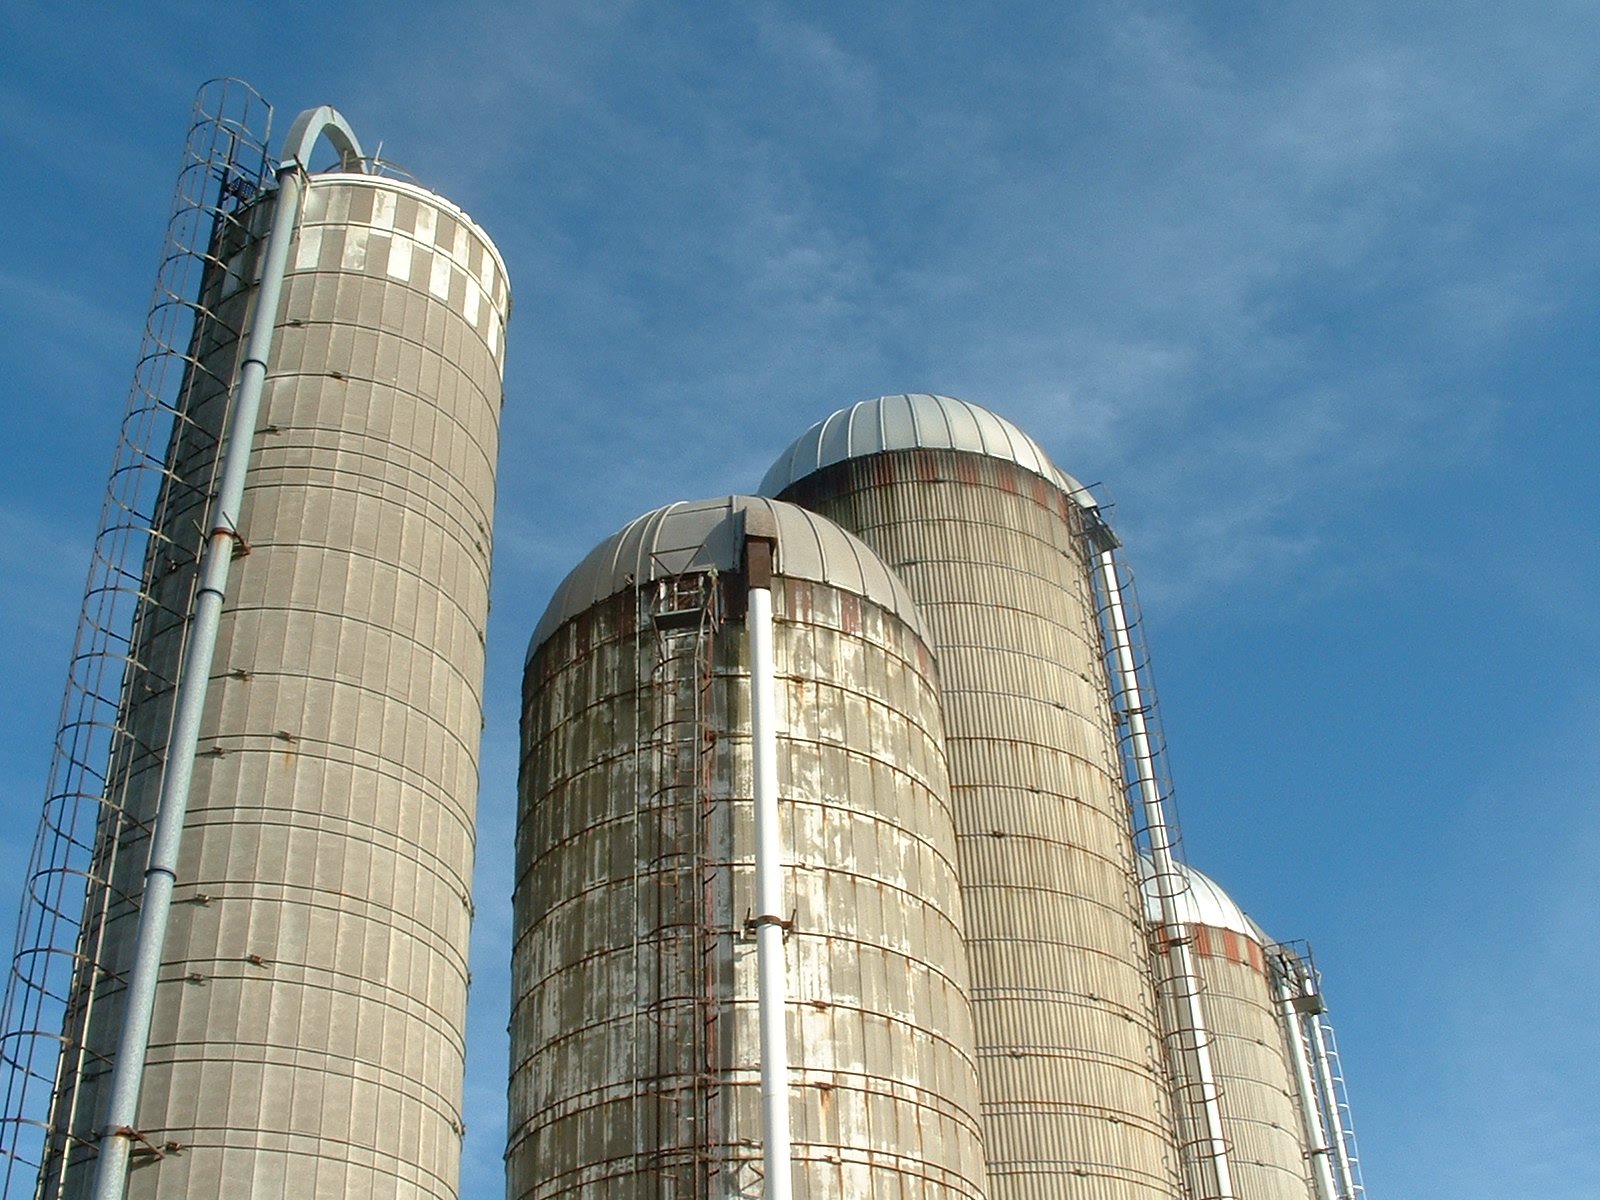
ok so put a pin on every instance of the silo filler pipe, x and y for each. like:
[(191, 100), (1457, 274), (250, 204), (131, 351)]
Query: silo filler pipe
[(1165, 870), (1289, 991), (172, 804), (768, 919)]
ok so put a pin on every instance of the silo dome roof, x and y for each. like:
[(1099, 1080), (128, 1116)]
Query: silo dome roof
[(1203, 902), (701, 535), (909, 422)]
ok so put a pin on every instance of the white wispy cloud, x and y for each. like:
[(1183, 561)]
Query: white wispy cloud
[(1251, 268)]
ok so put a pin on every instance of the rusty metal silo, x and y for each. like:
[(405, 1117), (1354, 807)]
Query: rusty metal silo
[(636, 1052), (988, 535)]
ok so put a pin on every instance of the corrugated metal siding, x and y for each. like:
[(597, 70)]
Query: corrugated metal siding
[(309, 1029), (634, 1025), (1076, 1100)]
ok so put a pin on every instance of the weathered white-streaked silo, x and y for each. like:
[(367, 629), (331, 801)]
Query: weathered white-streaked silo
[(986, 533), (1269, 1155), (309, 1017), (634, 1023)]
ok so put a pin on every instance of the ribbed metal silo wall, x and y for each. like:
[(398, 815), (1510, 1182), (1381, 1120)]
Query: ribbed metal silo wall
[(1267, 1151), (1076, 1102), (634, 1024), (309, 1024)]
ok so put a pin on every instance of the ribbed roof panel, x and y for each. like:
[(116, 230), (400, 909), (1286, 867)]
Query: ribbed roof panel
[(1203, 902), (703, 535), (913, 421)]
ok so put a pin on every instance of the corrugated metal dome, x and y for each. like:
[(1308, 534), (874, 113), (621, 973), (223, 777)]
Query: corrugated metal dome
[(700, 535), (909, 422), (1203, 902)]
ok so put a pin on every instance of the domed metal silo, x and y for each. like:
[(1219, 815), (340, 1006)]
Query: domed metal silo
[(987, 535), (635, 1039), (1270, 1154), (309, 1012)]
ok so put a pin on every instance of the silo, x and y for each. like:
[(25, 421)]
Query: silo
[(635, 1004), (308, 1027), (1269, 1154), (987, 534)]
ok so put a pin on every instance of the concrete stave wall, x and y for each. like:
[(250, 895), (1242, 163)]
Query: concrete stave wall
[(1076, 1095), (309, 1030), (883, 1083)]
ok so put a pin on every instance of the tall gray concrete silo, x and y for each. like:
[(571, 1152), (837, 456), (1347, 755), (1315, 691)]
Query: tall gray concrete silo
[(638, 1061), (988, 536), (307, 1035)]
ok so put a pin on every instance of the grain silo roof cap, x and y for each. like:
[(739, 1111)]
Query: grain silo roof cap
[(1203, 902), (704, 535), (909, 422)]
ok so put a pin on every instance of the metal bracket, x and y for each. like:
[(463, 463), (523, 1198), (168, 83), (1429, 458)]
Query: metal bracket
[(144, 1147), (753, 923)]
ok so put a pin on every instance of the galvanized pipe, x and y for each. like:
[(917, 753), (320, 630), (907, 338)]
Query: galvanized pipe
[(118, 1132), (1166, 873), (1330, 1095), (768, 919), (1317, 1139)]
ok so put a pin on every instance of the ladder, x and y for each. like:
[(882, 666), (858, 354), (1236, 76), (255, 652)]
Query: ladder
[(674, 887)]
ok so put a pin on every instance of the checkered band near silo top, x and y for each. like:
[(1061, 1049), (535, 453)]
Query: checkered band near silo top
[(394, 230)]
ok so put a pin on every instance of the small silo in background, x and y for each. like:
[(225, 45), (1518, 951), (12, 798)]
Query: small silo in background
[(634, 1040), (988, 535), (1270, 1149)]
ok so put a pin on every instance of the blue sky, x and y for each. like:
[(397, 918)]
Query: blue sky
[(1310, 289)]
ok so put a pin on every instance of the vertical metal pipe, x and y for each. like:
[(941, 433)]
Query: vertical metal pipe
[(1328, 1086), (768, 919), (1166, 874), (172, 805), (1317, 1139)]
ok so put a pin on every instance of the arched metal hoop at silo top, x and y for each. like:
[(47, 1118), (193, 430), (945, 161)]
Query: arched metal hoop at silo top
[(312, 126)]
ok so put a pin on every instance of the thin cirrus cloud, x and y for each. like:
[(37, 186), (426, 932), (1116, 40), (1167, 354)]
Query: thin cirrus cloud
[(1152, 270), (1254, 267)]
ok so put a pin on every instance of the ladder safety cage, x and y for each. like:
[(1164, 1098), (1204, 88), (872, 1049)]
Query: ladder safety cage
[(57, 960), (677, 863), (1157, 838)]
